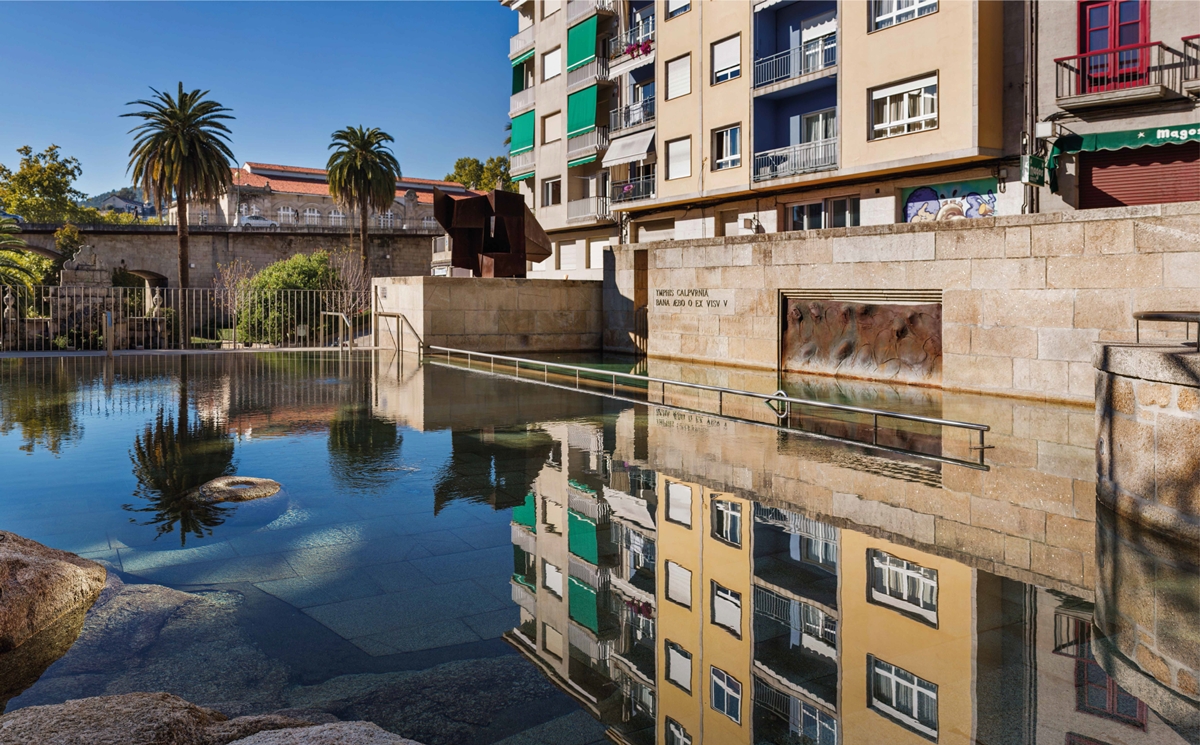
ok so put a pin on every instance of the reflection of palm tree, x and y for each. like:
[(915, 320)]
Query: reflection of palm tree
[(362, 448), (170, 459)]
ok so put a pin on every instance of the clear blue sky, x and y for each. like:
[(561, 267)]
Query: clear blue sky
[(434, 74)]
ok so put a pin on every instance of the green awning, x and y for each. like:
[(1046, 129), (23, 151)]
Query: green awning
[(518, 79), (581, 44), (581, 604), (522, 133), (526, 514), (522, 58), (580, 161), (581, 537), (581, 111), (1125, 139), (522, 177)]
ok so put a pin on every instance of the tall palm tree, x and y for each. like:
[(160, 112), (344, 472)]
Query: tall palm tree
[(180, 151), (362, 175), (17, 267)]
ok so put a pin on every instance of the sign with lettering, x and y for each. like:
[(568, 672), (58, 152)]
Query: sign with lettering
[(694, 300), (1033, 170)]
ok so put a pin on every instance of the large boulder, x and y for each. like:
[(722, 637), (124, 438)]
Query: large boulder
[(40, 585), (340, 733)]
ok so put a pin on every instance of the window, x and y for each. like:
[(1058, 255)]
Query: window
[(552, 64), (727, 608), (902, 696), (337, 217), (727, 521), (567, 254), (679, 666), (243, 209), (904, 108), (677, 7), (596, 247), (808, 216), (1095, 692), (203, 217), (679, 77), (1108, 24), (842, 212), (679, 503), (254, 210), (552, 128), (679, 158), (551, 192), (727, 148), (385, 219), (550, 7), (286, 215), (312, 216), (903, 585), (679, 584), (676, 734), (820, 125), (726, 694), (552, 578), (727, 59), (552, 640), (886, 13)]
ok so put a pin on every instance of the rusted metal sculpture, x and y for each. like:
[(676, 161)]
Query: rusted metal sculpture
[(491, 234)]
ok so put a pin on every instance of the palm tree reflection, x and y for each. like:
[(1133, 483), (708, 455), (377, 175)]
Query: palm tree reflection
[(363, 448)]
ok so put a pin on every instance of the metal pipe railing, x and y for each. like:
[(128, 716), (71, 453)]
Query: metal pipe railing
[(1120, 68)]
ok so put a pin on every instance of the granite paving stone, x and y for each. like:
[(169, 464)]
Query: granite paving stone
[(323, 589), (492, 625), (138, 560), (418, 638), (465, 565), (223, 571), (431, 605)]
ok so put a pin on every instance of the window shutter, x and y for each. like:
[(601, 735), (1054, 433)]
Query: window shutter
[(581, 44), (727, 611), (673, 6), (727, 54), (553, 578), (552, 128), (522, 133), (679, 668), (679, 584), (679, 158), (679, 77), (679, 503), (581, 111), (552, 64)]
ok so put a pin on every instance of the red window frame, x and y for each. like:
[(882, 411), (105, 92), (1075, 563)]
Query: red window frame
[(1073, 638), (1106, 68)]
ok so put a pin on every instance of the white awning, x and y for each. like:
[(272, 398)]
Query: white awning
[(766, 4), (628, 149)]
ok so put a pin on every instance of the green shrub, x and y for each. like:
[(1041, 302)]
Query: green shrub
[(266, 313)]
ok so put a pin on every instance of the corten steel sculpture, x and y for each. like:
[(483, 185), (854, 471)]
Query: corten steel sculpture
[(492, 234)]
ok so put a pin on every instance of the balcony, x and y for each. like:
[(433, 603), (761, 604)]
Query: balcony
[(520, 42), (520, 101), (580, 9), (1129, 74), (592, 72), (586, 143), (521, 163), (589, 209), (634, 189), (632, 116), (1191, 70), (637, 40), (796, 159), (813, 56)]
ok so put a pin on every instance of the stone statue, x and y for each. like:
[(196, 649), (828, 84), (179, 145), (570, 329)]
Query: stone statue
[(491, 234)]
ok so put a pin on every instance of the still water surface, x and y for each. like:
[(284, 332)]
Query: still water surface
[(463, 559)]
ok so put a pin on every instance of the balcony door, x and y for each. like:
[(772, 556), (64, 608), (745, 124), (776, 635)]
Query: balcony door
[(1107, 31), (820, 125)]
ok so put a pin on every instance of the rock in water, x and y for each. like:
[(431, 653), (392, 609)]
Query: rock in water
[(340, 733), (40, 585), (21, 667), (235, 489)]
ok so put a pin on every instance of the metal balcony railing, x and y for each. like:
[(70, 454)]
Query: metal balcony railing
[(588, 142), (633, 41), (577, 9), (1191, 52), (1120, 69), (631, 115), (520, 42), (815, 54), (520, 101), (633, 189), (795, 159), (521, 163), (595, 70), (588, 208)]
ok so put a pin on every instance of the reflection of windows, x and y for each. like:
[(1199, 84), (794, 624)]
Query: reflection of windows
[(524, 567), (676, 734), (552, 640), (886, 13), (808, 216), (806, 723), (1096, 692), (904, 697), (903, 108), (1074, 739), (727, 521), (679, 666), (727, 608), (679, 503), (552, 578), (679, 584), (903, 585), (726, 694)]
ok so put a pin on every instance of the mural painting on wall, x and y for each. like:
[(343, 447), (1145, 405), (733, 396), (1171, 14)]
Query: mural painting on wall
[(959, 200), (864, 340)]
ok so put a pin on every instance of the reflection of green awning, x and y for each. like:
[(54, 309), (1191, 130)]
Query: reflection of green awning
[(522, 177), (1125, 139), (526, 514), (581, 604), (522, 58), (581, 111), (581, 537), (522, 133), (581, 44), (580, 161)]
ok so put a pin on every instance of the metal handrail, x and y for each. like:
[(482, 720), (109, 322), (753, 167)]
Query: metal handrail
[(779, 402), (1119, 68), (402, 321), (345, 329)]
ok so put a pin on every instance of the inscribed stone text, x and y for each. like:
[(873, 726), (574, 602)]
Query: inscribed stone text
[(692, 300)]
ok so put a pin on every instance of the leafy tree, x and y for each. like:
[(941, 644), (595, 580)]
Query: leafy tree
[(42, 188), (180, 151), (495, 174), (68, 240), (473, 174), (18, 267), (468, 172), (362, 175), (268, 313)]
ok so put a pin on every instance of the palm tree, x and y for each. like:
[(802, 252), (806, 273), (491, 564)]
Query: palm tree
[(180, 151), (362, 175), (17, 268)]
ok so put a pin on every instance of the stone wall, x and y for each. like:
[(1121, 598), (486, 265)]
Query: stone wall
[(494, 315), (1024, 297), (153, 251)]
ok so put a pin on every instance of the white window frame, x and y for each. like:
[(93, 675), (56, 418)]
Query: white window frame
[(243, 209), (203, 216), (828, 121), (914, 584), (312, 216), (676, 734), (895, 679), (726, 140), (255, 211), (883, 14), (851, 222), (923, 91), (727, 609), (285, 215), (337, 217), (385, 219), (677, 7), (552, 119), (806, 207), (675, 496), (679, 77), (548, 189), (679, 167), (728, 72), (550, 7), (677, 656), (550, 72), (729, 527), (684, 580), (731, 691)]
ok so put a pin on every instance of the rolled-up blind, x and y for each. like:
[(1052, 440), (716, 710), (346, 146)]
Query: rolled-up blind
[(679, 77), (727, 54), (727, 609), (676, 6), (679, 503), (679, 584), (679, 158), (581, 111), (679, 667)]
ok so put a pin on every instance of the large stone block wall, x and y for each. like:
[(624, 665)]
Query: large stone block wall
[(1024, 297), (494, 315)]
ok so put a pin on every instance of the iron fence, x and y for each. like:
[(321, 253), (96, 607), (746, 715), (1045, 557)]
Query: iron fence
[(84, 318)]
